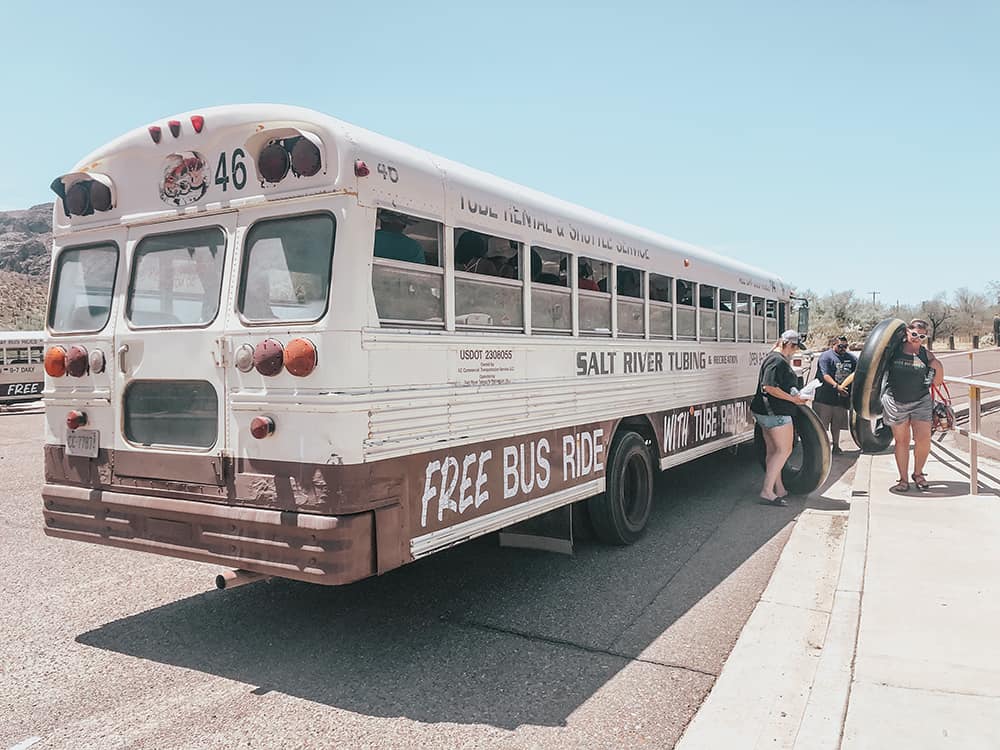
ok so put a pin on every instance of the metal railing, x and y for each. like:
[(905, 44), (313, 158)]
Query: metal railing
[(976, 388)]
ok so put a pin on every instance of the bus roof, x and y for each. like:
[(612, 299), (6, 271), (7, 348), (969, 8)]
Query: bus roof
[(134, 161)]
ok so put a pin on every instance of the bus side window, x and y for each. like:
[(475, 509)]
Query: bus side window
[(488, 281), (661, 315), (727, 315), (551, 298), (595, 299), (631, 313), (708, 319), (771, 320), (758, 320), (743, 316), (686, 322), (407, 278)]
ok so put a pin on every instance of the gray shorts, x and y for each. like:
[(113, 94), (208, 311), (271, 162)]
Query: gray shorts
[(831, 416), (896, 413)]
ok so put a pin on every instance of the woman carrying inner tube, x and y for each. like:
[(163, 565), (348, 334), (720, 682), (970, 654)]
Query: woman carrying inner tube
[(773, 407), (907, 406)]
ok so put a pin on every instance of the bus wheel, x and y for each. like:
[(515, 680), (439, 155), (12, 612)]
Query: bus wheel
[(809, 465), (871, 437), (620, 513), (879, 348)]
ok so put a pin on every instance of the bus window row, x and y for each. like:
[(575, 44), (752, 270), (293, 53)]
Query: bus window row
[(21, 355), (408, 282)]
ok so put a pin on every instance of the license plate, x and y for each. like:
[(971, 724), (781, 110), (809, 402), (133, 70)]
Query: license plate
[(83, 443)]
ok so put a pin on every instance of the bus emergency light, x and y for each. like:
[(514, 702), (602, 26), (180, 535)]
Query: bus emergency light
[(83, 193), (295, 154)]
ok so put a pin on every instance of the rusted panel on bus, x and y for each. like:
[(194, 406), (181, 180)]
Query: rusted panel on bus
[(391, 544), (319, 549), (177, 467)]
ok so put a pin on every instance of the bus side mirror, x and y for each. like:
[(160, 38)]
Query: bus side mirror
[(803, 322)]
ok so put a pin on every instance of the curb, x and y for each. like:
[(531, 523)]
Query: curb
[(822, 725)]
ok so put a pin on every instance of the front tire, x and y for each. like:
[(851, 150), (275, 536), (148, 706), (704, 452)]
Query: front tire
[(619, 515)]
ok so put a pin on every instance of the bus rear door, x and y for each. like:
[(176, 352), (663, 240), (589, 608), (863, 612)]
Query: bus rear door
[(170, 353)]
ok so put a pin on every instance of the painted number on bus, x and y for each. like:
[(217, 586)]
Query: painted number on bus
[(388, 172), (231, 168)]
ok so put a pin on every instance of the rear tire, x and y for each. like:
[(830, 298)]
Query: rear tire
[(620, 513), (866, 392), (816, 458)]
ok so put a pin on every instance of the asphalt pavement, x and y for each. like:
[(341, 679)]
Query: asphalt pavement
[(479, 646)]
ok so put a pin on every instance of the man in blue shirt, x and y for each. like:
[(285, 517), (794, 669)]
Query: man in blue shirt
[(391, 243), (835, 372)]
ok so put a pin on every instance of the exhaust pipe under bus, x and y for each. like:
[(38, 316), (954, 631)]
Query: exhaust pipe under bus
[(232, 578)]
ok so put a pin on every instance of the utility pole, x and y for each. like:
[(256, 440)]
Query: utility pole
[(873, 294)]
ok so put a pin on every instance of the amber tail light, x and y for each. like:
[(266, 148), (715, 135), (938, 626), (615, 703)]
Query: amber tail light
[(55, 362)]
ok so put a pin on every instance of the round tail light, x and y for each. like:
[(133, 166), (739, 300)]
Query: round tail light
[(268, 356), (300, 357), (273, 163), (97, 361), (55, 361), (261, 427), (305, 158), (76, 361), (75, 419)]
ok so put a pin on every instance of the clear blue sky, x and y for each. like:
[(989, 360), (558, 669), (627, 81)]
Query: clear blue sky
[(844, 145)]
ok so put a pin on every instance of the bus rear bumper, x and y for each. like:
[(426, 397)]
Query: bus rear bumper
[(328, 550)]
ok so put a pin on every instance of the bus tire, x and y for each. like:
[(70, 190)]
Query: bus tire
[(816, 455), (871, 437), (620, 513), (866, 392)]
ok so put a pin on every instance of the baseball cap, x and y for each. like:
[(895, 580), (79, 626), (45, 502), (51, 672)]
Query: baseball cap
[(792, 337)]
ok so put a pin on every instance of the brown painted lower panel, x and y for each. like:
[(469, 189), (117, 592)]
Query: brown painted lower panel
[(329, 550)]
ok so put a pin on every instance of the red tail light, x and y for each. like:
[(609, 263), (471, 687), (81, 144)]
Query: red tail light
[(273, 162), (75, 419), (55, 361), (300, 357), (76, 361), (268, 357), (261, 427)]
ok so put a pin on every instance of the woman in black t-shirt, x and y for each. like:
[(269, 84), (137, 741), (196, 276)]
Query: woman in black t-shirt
[(773, 407), (907, 406)]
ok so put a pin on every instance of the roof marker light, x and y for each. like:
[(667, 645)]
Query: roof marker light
[(361, 169), (155, 133), (175, 127), (197, 122)]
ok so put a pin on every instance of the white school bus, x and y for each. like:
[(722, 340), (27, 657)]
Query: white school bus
[(287, 345)]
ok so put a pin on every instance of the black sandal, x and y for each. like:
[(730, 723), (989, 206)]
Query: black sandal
[(922, 483), (901, 486)]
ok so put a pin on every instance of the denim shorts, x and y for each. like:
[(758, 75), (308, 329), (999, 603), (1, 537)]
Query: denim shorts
[(769, 421)]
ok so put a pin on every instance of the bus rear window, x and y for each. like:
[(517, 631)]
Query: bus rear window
[(286, 269), (177, 278), (84, 282)]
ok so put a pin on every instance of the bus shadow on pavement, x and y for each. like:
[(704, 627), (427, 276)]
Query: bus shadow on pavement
[(489, 635)]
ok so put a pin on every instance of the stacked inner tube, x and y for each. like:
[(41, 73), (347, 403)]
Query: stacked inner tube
[(816, 457), (866, 393)]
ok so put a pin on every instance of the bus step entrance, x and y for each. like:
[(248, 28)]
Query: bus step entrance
[(551, 532)]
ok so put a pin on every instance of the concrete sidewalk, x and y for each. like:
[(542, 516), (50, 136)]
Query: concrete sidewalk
[(886, 636)]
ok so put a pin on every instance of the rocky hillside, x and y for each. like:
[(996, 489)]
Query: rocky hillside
[(25, 244)]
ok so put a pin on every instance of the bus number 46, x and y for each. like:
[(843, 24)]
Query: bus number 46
[(236, 168)]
